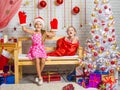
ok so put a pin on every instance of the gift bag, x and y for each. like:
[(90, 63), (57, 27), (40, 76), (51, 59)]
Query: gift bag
[(4, 58)]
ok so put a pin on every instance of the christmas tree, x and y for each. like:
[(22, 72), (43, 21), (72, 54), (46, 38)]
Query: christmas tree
[(101, 51)]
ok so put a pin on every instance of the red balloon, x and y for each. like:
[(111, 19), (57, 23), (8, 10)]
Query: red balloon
[(59, 2), (76, 10), (42, 4)]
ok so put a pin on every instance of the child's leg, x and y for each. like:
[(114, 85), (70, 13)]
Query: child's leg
[(38, 68), (42, 64)]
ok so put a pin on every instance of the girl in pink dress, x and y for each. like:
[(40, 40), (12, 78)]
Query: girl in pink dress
[(37, 50)]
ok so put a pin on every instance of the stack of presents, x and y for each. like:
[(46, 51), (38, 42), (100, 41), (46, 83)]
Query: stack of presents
[(96, 79)]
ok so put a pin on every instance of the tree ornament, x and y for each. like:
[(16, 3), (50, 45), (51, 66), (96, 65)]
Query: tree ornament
[(104, 41), (96, 37), (76, 10), (104, 1), (95, 1), (95, 54), (111, 17), (90, 46), (96, 9), (105, 7), (93, 15), (112, 62), (111, 70), (89, 66), (95, 20), (11, 2), (59, 2), (106, 29), (103, 68), (100, 11), (42, 4), (102, 48), (110, 39), (118, 68)]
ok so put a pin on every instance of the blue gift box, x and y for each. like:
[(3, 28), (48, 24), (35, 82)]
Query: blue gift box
[(7, 80), (100, 72)]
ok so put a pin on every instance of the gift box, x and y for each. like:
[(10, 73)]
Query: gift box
[(107, 78), (7, 79), (51, 76), (101, 72), (82, 78), (68, 87), (94, 80)]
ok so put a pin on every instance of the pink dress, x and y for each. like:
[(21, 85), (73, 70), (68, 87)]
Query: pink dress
[(37, 50)]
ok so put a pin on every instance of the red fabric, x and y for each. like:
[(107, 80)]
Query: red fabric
[(64, 48), (3, 61), (8, 9)]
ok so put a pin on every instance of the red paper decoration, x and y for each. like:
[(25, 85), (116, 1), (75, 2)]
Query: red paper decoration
[(42, 4), (59, 2), (76, 10)]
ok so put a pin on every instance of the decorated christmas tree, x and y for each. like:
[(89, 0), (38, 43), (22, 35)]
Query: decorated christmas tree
[(101, 51)]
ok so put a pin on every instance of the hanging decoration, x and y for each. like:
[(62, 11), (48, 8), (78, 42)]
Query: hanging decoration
[(75, 10), (81, 14), (42, 4), (85, 12), (64, 15), (59, 2)]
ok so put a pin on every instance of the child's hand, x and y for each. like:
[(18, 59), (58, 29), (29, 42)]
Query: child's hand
[(54, 24), (22, 18)]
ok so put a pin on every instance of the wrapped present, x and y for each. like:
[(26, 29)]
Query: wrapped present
[(107, 78), (7, 78), (111, 82), (51, 76), (68, 87), (82, 78), (101, 72), (94, 80)]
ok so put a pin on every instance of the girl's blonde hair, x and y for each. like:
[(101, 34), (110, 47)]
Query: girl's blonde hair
[(43, 32)]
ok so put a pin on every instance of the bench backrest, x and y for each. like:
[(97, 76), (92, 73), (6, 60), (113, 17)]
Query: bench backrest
[(48, 48)]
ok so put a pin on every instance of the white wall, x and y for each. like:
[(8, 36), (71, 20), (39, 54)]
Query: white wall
[(30, 7)]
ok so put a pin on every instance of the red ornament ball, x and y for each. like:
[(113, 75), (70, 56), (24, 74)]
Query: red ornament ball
[(112, 62), (106, 29), (42, 4), (112, 71), (102, 48), (105, 7), (103, 68), (100, 11), (95, 20), (110, 39), (96, 37), (76, 10), (95, 53), (58, 2)]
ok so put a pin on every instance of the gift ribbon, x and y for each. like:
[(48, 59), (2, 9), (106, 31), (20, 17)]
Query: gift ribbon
[(96, 80)]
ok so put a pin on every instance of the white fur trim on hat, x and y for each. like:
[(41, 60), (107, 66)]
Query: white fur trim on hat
[(40, 19)]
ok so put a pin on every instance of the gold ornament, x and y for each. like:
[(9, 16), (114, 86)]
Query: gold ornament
[(107, 63), (95, 1), (96, 9), (111, 17), (109, 24), (107, 53), (118, 68), (92, 27), (93, 59), (93, 15), (94, 66), (104, 1), (95, 26), (98, 43), (105, 36)]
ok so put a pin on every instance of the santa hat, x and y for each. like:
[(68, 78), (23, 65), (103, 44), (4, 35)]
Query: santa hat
[(40, 19)]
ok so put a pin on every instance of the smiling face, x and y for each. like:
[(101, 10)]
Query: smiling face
[(38, 25), (71, 31)]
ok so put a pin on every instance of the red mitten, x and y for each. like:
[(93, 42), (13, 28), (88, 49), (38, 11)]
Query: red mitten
[(54, 24), (22, 18)]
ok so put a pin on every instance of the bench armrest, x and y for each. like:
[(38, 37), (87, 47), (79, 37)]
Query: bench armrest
[(80, 52)]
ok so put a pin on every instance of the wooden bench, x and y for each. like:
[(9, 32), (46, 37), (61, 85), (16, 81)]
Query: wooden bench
[(20, 59)]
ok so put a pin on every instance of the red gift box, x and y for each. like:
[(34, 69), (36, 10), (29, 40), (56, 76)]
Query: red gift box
[(51, 76)]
